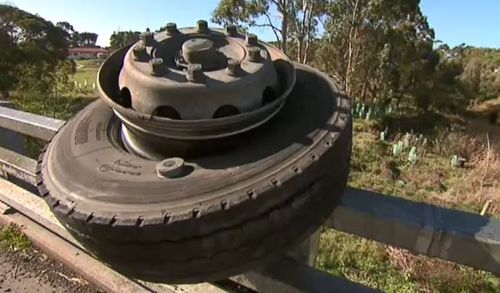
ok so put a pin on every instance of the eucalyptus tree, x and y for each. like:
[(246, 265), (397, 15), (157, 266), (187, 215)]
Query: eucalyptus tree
[(294, 23)]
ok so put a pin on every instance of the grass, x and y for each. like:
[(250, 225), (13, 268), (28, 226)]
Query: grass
[(394, 270), (430, 179), (11, 238), (86, 71)]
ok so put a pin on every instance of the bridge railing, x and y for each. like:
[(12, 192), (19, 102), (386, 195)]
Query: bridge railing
[(421, 228)]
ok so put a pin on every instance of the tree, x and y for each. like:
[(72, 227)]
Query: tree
[(27, 40), (86, 39), (123, 38), (9, 58), (481, 76), (246, 13), (75, 38), (296, 20), (379, 49), (70, 33), (305, 16)]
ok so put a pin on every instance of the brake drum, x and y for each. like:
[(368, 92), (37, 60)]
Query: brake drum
[(207, 153)]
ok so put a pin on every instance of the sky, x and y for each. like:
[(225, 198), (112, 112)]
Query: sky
[(474, 22)]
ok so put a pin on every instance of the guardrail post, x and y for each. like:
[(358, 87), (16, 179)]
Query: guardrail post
[(14, 141), (263, 280), (9, 139), (307, 251)]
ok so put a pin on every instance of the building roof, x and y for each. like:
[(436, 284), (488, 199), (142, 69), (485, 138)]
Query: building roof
[(87, 50)]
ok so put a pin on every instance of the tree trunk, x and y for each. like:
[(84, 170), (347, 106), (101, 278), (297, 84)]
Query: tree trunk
[(284, 33), (309, 29), (352, 35), (282, 8)]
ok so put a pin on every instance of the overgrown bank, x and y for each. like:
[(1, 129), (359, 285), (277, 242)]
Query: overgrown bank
[(428, 177)]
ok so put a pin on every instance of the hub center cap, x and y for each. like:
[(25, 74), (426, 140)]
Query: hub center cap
[(199, 51)]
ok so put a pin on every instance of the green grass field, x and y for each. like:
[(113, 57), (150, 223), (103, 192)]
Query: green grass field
[(86, 71)]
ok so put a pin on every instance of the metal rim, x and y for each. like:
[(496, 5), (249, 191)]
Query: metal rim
[(200, 129)]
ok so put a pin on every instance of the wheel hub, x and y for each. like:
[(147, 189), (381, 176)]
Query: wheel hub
[(194, 86)]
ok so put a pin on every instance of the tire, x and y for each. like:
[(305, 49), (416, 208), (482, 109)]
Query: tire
[(234, 210)]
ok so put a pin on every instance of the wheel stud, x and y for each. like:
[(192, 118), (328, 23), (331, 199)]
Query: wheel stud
[(202, 26), (233, 67), (170, 168), (140, 52), (195, 73), (231, 30), (147, 38), (254, 54), (252, 40), (172, 28), (157, 66)]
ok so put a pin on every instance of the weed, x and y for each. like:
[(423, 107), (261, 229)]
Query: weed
[(12, 238), (362, 261)]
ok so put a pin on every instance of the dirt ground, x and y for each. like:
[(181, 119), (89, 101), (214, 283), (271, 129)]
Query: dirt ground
[(31, 271)]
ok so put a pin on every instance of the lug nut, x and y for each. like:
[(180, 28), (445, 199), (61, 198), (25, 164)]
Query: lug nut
[(233, 67), (254, 54), (147, 38), (252, 40), (157, 67), (194, 73), (170, 168), (139, 52), (202, 26), (231, 30), (172, 28)]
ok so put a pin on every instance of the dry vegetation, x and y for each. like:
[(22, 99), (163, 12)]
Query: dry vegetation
[(479, 184), (475, 187)]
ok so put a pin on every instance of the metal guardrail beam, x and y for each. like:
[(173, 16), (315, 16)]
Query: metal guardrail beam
[(18, 165), (287, 275), (29, 124), (421, 228)]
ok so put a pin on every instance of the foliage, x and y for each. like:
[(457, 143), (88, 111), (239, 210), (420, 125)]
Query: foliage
[(35, 66), (28, 42), (121, 39), (13, 239), (297, 20), (87, 39), (75, 38), (379, 49), (481, 76)]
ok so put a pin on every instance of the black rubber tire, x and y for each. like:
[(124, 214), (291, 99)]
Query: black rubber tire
[(199, 237)]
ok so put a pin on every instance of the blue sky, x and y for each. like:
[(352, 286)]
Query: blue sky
[(474, 22)]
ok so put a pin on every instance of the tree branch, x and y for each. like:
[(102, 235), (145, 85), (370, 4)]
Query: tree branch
[(275, 30)]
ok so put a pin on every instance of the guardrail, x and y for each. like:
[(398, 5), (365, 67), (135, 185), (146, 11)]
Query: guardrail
[(421, 228)]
